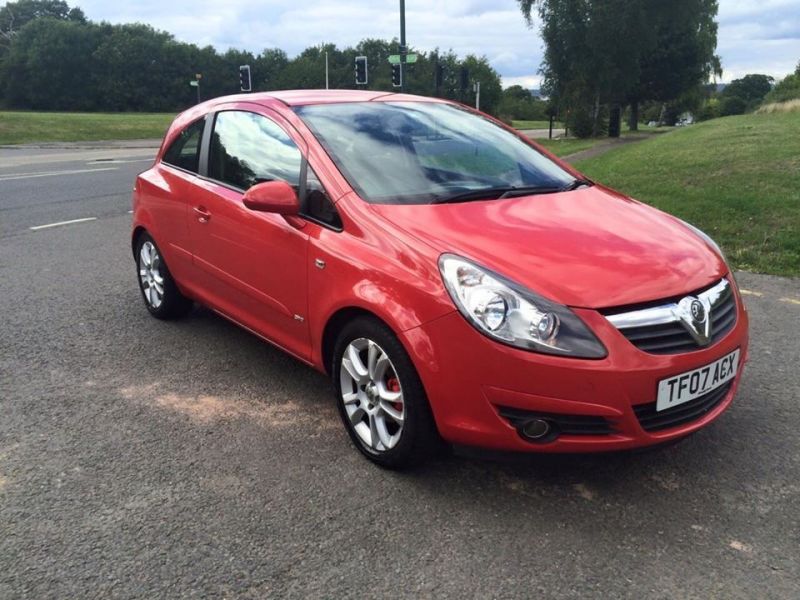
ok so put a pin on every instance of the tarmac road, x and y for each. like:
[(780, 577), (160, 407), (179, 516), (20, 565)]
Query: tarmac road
[(148, 459)]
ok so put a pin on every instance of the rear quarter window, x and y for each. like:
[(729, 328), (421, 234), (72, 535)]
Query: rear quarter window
[(184, 152)]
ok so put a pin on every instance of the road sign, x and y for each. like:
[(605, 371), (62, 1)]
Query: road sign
[(194, 83), (394, 59)]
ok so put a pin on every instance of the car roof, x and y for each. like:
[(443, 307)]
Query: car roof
[(302, 97), (288, 98)]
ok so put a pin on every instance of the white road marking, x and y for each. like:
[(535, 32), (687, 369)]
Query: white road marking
[(52, 173), (115, 161), (60, 223)]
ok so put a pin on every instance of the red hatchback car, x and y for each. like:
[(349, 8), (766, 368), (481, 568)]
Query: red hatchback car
[(457, 282)]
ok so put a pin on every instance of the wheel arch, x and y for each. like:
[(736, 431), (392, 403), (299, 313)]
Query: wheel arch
[(138, 231), (336, 322)]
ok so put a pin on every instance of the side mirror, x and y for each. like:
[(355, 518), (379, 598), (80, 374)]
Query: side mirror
[(274, 197)]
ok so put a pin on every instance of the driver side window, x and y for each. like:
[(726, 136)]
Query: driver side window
[(247, 149)]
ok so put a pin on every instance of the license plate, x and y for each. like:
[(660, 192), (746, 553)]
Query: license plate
[(693, 384)]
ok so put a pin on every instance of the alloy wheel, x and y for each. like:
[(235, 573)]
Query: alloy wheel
[(150, 274), (372, 395)]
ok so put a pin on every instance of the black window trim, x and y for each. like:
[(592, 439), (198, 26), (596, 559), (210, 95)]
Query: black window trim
[(205, 151)]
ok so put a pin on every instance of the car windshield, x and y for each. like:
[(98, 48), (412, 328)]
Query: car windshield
[(426, 152)]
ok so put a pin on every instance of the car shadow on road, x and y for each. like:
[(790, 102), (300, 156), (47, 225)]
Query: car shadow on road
[(259, 384)]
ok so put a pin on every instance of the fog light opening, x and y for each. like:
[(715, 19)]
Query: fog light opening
[(536, 429)]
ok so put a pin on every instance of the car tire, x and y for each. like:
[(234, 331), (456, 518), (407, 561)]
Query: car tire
[(376, 382), (160, 294)]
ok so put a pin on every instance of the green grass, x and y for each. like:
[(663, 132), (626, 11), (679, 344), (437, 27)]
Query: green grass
[(568, 146), (535, 125), (737, 178), (646, 129), (33, 127)]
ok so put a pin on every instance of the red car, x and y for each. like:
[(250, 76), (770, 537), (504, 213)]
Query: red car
[(456, 281)]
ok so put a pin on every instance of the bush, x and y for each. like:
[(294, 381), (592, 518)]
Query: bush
[(579, 122), (733, 105), (709, 110), (651, 113), (786, 89)]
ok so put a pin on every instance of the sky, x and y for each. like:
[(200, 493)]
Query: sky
[(754, 36)]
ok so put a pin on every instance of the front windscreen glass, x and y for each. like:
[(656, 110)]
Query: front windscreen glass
[(423, 152)]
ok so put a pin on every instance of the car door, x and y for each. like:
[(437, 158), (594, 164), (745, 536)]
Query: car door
[(251, 266), (167, 189)]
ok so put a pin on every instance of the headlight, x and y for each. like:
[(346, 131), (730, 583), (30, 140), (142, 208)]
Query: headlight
[(513, 315)]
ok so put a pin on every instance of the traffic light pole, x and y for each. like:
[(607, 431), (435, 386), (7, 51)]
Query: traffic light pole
[(403, 47)]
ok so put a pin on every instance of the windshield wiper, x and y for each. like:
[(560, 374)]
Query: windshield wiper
[(496, 193), (576, 184)]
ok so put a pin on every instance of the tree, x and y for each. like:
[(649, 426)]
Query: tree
[(267, 69), (591, 52), (128, 66), (15, 15), (59, 61), (520, 103), (683, 56), (612, 51), (732, 105), (751, 89), (48, 64)]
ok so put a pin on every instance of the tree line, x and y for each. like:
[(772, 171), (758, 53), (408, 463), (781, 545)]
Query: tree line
[(53, 58)]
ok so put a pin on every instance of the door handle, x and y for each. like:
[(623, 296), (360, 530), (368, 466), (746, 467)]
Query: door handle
[(202, 214)]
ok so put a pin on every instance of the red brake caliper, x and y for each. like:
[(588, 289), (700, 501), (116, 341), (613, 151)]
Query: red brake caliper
[(393, 385)]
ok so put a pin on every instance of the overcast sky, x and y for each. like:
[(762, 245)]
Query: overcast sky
[(760, 36)]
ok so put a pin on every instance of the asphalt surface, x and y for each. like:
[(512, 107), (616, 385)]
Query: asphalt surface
[(148, 459)]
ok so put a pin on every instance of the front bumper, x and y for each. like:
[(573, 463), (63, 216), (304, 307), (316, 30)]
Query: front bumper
[(470, 379)]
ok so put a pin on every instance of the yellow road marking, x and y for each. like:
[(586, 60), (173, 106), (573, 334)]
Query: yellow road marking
[(751, 293), (790, 301)]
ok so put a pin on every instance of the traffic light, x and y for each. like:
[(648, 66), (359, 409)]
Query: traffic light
[(361, 70), (464, 78), (397, 75), (245, 81)]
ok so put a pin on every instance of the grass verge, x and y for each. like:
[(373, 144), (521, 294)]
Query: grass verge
[(536, 125), (565, 147), (737, 178), (33, 127)]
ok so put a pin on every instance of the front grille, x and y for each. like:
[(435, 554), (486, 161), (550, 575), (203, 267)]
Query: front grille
[(723, 318), (669, 338), (668, 335), (564, 424), (652, 420)]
